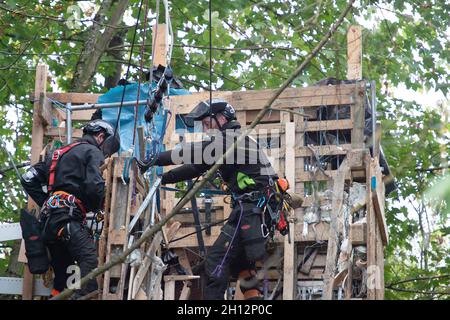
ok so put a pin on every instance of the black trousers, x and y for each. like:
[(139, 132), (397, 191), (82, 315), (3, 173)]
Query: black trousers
[(229, 256), (73, 247)]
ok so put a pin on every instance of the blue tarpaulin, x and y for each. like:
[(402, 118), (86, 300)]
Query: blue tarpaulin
[(126, 125)]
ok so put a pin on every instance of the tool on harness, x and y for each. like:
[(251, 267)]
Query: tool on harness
[(95, 221), (61, 199)]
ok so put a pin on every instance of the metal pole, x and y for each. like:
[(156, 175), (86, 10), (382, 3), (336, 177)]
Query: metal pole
[(373, 95), (107, 105), (69, 123), (144, 205)]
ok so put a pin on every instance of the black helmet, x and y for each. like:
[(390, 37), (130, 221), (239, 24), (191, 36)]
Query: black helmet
[(203, 110), (111, 143)]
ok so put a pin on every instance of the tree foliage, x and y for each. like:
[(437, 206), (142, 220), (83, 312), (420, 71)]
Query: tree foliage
[(256, 44)]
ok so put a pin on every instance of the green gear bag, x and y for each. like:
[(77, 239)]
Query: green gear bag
[(244, 181)]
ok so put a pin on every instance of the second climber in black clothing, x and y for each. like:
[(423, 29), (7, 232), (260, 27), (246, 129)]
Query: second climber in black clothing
[(248, 176), (67, 185)]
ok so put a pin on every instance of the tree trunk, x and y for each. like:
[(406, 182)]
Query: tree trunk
[(98, 39), (118, 40)]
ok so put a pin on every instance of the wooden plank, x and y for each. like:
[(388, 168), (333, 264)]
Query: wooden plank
[(333, 240), (306, 266), (159, 39), (358, 116), (290, 265), (178, 277), (318, 94), (378, 200), (142, 271), (328, 125), (169, 290), (61, 133), (185, 292), (371, 234), (358, 234), (380, 264), (354, 53), (37, 143), (183, 260), (311, 91), (326, 150), (295, 102), (74, 97), (45, 112)]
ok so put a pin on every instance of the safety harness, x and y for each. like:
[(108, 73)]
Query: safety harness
[(272, 199), (59, 199)]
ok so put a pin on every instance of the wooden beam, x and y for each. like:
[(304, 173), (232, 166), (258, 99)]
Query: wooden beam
[(160, 44), (290, 253), (371, 234), (185, 292), (358, 234), (358, 116), (178, 277), (169, 290), (142, 271), (306, 266), (354, 53), (37, 143), (378, 200), (74, 97), (333, 240)]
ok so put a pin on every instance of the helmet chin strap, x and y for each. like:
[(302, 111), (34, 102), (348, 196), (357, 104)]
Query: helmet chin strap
[(217, 121)]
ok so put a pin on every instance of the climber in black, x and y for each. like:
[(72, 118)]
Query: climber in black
[(248, 175), (67, 185)]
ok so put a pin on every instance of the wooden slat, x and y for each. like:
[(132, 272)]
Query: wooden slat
[(371, 234), (290, 266), (328, 125), (61, 132), (354, 53), (378, 199), (169, 290), (358, 117), (295, 102), (310, 91), (333, 240), (142, 271), (180, 277), (159, 38), (74, 97), (37, 144)]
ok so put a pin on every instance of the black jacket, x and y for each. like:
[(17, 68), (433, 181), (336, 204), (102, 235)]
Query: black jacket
[(77, 173), (197, 158)]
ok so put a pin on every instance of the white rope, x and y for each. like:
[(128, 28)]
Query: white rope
[(169, 33)]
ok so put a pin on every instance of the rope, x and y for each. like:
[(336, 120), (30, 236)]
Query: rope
[(141, 63), (210, 54), (128, 66)]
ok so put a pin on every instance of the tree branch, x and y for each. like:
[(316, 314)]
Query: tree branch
[(418, 279)]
